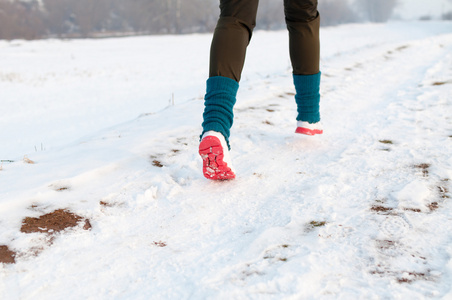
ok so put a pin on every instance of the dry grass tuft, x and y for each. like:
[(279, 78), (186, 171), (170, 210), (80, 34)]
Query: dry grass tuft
[(317, 223), (27, 160), (389, 142)]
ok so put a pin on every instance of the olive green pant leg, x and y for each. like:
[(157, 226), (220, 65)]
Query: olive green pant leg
[(235, 26), (231, 37), (303, 23)]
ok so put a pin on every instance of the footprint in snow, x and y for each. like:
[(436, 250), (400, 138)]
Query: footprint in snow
[(395, 226)]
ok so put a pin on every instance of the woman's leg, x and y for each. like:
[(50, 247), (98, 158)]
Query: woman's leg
[(231, 37), (303, 23), (227, 56)]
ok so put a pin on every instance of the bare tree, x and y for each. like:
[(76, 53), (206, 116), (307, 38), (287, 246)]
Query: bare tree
[(20, 20)]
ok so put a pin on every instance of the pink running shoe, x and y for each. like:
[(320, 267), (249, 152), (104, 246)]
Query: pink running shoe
[(215, 155), (308, 128)]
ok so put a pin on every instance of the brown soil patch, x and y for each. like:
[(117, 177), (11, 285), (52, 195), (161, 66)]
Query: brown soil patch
[(433, 206), (436, 83), (106, 204), (64, 188), (313, 225), (157, 163), (160, 244), (443, 191), (53, 222), (317, 223), (7, 256), (424, 169), (414, 275), (400, 276), (402, 48), (382, 209), (386, 142), (416, 210), (385, 244)]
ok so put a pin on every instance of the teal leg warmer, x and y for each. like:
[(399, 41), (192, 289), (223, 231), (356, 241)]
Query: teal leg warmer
[(219, 101), (307, 97)]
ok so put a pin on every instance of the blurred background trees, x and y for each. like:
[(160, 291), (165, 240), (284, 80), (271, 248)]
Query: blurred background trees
[(376, 11), (20, 20), (31, 19)]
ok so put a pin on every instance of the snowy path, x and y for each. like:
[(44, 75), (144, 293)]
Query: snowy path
[(362, 212)]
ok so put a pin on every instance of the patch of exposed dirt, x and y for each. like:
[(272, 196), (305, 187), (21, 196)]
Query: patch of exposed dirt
[(385, 244), (433, 206), (314, 224), (64, 188), (443, 192), (157, 163), (160, 244), (402, 48), (106, 204), (381, 209), (53, 222), (436, 83), (412, 276), (403, 277), (416, 210), (389, 142), (424, 168), (6, 255)]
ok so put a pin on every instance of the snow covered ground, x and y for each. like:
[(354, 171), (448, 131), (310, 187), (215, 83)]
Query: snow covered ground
[(362, 212)]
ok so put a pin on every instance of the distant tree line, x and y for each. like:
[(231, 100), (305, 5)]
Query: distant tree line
[(32, 19), (93, 18)]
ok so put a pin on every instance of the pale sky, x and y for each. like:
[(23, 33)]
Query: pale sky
[(413, 9)]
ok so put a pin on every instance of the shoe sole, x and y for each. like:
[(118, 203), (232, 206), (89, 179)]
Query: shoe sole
[(306, 131), (212, 155)]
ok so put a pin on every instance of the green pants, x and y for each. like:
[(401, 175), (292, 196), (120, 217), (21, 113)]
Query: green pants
[(235, 27)]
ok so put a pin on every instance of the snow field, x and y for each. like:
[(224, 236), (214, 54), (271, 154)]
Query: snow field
[(362, 212)]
